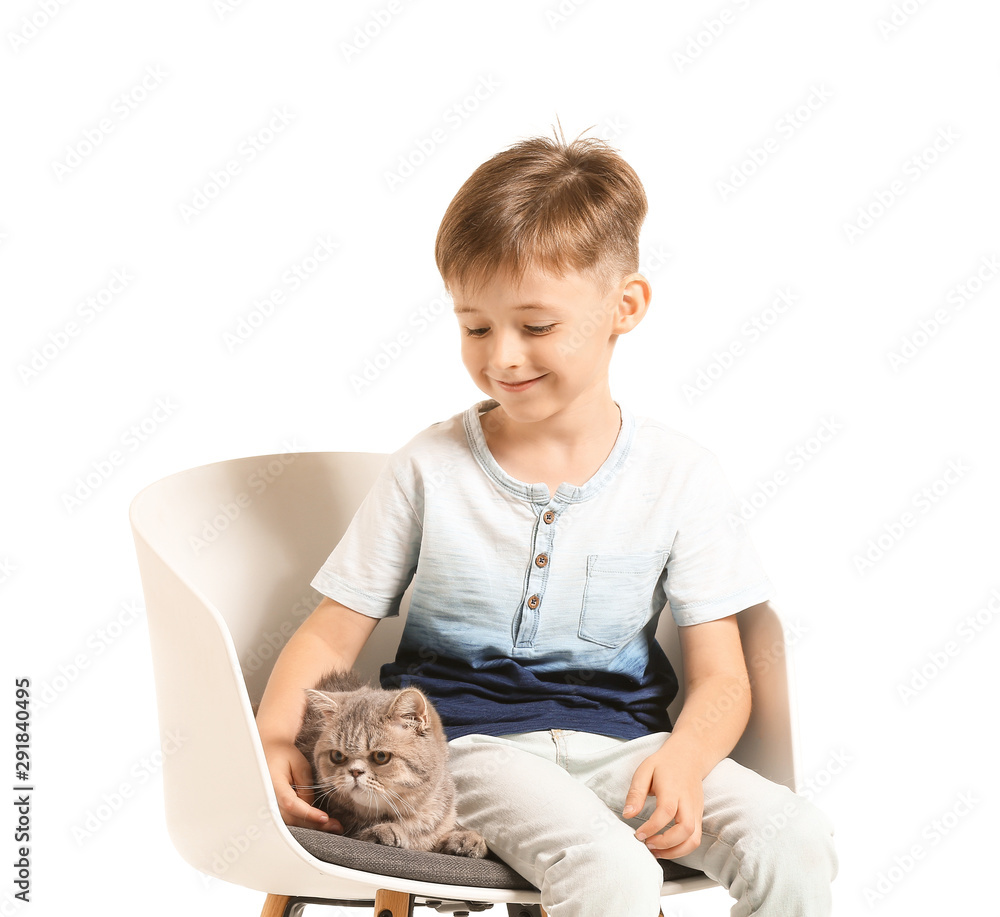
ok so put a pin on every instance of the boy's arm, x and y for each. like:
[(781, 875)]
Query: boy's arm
[(331, 637), (715, 713)]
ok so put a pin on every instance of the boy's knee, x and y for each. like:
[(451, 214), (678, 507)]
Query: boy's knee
[(620, 874), (796, 837)]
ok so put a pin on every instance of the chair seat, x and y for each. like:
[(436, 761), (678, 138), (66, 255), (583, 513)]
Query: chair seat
[(422, 866)]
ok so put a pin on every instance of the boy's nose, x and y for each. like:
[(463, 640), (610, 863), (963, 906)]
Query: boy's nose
[(507, 351)]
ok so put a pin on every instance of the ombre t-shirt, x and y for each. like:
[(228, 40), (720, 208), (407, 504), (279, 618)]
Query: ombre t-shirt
[(534, 611)]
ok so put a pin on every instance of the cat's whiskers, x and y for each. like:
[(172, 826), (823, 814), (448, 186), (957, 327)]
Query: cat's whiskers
[(390, 794), (391, 806), (322, 797)]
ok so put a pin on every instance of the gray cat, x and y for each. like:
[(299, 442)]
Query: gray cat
[(380, 766)]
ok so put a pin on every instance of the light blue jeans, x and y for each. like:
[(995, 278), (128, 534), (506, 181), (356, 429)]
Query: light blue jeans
[(549, 804)]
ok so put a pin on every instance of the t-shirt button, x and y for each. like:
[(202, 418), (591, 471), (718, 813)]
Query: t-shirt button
[(541, 560), (548, 517), (533, 602)]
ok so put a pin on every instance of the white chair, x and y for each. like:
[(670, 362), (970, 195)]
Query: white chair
[(226, 552)]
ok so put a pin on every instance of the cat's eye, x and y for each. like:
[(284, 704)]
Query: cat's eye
[(338, 757), (381, 757)]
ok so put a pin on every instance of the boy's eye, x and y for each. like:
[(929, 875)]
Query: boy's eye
[(531, 329), (381, 757), (338, 757)]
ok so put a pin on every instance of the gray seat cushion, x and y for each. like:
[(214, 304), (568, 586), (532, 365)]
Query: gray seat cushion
[(428, 867)]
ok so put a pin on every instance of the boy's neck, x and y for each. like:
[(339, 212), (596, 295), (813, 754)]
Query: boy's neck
[(567, 447)]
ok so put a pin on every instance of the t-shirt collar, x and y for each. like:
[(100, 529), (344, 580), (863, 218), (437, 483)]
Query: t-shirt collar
[(539, 493)]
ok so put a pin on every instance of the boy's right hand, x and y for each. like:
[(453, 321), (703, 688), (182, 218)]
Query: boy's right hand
[(290, 769)]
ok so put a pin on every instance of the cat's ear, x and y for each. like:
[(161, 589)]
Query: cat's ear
[(412, 708), (321, 702)]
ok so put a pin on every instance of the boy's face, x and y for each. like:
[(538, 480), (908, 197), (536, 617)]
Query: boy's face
[(543, 347)]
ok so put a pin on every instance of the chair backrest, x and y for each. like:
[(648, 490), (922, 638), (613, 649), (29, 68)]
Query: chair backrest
[(250, 534), (226, 553)]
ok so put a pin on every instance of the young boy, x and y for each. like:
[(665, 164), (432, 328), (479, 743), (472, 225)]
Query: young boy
[(544, 529)]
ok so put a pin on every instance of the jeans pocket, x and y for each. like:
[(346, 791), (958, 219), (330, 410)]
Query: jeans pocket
[(618, 596)]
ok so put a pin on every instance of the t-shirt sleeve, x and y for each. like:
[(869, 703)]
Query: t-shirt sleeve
[(713, 569), (371, 566)]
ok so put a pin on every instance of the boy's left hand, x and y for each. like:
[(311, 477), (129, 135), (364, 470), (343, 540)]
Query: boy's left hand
[(679, 798)]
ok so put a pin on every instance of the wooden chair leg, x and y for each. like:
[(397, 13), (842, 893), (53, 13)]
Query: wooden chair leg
[(393, 904), (274, 906)]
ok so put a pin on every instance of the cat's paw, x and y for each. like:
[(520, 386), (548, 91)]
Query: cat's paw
[(382, 833), (463, 842)]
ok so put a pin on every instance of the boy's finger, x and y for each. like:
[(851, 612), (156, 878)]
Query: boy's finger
[(673, 851), (638, 793), (661, 817), (299, 808), (302, 780), (674, 836)]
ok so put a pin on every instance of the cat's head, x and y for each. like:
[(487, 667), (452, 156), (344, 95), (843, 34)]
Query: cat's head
[(375, 750)]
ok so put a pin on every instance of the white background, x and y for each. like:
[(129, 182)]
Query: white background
[(690, 93)]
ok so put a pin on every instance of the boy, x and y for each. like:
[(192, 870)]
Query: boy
[(544, 529)]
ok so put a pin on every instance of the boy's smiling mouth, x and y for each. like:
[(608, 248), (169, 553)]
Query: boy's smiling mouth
[(517, 386)]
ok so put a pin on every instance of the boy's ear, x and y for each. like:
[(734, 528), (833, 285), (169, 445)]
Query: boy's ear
[(634, 294)]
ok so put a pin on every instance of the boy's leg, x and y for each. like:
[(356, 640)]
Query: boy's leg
[(772, 849), (551, 828)]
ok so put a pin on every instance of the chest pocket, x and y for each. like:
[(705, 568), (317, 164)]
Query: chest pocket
[(618, 596)]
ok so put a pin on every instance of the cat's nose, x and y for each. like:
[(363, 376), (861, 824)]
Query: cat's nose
[(356, 771)]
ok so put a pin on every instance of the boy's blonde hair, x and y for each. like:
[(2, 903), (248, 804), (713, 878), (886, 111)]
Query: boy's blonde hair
[(545, 204)]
